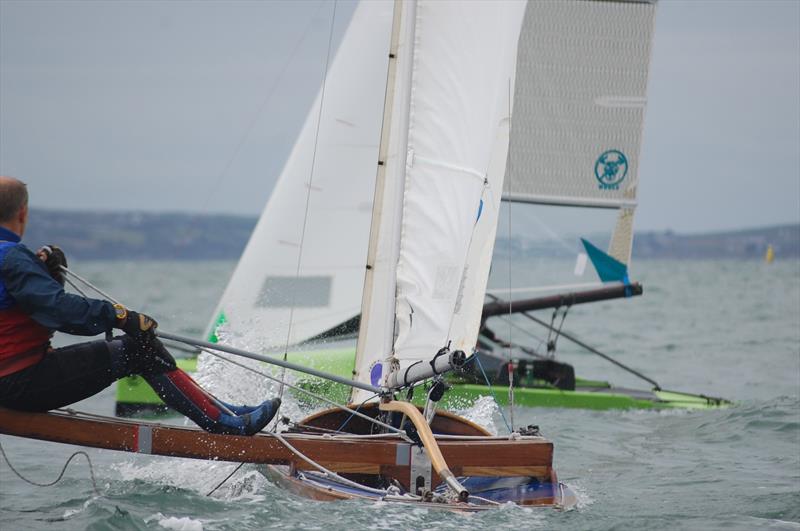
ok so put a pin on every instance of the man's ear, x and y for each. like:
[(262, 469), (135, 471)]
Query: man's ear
[(22, 218)]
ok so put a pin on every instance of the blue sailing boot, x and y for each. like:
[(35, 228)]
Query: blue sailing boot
[(248, 423), (238, 410), (181, 393)]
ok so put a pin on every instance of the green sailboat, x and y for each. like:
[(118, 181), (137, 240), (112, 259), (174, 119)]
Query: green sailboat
[(572, 141)]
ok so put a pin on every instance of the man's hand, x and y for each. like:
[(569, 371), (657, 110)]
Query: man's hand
[(139, 326), (54, 258)]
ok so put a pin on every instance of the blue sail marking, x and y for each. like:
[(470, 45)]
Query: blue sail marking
[(608, 268)]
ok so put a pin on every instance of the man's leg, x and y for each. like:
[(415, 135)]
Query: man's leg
[(70, 374), (64, 376), (180, 392)]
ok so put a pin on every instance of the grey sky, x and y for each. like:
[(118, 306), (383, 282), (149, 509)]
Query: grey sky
[(193, 106)]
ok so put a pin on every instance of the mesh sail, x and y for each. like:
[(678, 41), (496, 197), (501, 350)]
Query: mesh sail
[(579, 102)]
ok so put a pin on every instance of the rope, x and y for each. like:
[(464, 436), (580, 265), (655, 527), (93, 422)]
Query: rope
[(255, 116), (554, 332), (89, 284), (328, 473), (75, 287), (510, 312), (60, 476), (308, 201), (356, 413), (229, 476), (595, 351)]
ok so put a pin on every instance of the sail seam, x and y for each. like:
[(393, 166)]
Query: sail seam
[(448, 166)]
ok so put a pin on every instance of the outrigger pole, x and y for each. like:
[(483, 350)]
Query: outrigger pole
[(272, 361)]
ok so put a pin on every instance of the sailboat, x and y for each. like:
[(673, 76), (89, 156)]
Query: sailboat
[(440, 165), (579, 100)]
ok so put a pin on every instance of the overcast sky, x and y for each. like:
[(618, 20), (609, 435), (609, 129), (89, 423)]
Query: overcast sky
[(194, 105)]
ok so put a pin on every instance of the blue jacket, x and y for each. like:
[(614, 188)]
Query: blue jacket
[(32, 301)]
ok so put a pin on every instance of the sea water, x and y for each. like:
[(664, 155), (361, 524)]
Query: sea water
[(729, 329)]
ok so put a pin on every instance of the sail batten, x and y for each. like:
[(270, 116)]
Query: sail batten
[(554, 200)]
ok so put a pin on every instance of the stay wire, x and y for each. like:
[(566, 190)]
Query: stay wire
[(558, 332), (583, 345), (255, 116), (229, 476), (309, 186), (510, 174), (60, 476)]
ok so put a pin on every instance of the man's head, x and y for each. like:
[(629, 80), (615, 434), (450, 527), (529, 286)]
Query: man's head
[(13, 204)]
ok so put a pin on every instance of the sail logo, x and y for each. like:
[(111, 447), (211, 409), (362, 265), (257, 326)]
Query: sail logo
[(375, 373), (610, 169)]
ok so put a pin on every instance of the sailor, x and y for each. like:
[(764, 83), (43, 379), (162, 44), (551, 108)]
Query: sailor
[(36, 377)]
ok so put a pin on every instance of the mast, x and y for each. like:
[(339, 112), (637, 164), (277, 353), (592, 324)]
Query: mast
[(446, 109), (376, 330)]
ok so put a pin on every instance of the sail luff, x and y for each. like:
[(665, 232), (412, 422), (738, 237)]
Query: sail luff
[(468, 310), (455, 60), (464, 58), (376, 330)]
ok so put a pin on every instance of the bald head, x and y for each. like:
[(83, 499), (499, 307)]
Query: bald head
[(13, 200)]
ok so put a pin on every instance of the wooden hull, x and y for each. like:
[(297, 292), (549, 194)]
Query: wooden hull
[(373, 462), (519, 490)]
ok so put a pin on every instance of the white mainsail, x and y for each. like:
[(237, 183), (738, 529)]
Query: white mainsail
[(579, 107), (279, 291), (455, 64)]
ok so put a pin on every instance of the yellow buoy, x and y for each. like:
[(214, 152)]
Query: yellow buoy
[(770, 256)]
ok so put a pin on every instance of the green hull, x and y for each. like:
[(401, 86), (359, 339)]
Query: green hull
[(134, 396)]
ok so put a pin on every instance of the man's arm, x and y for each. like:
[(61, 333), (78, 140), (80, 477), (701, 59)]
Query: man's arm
[(27, 280)]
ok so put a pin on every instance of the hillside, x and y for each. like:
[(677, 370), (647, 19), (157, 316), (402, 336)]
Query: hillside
[(157, 236)]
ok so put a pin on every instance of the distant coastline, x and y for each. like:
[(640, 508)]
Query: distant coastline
[(171, 236)]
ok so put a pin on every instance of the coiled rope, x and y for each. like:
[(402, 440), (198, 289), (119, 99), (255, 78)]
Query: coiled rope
[(60, 476)]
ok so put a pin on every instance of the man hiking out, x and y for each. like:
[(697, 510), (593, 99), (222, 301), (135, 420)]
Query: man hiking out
[(36, 377)]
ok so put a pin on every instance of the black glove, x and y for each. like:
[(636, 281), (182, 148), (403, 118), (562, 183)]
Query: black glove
[(53, 257), (139, 326)]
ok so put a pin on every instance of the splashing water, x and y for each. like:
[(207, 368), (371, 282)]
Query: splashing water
[(482, 412), (176, 524)]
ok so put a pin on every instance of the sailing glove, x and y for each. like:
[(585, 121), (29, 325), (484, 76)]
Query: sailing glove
[(139, 326), (54, 259)]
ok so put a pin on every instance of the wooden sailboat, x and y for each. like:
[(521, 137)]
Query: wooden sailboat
[(374, 461), (440, 163)]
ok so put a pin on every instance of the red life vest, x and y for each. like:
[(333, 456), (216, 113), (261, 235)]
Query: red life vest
[(23, 341)]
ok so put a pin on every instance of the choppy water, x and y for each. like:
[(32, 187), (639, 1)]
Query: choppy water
[(721, 328)]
